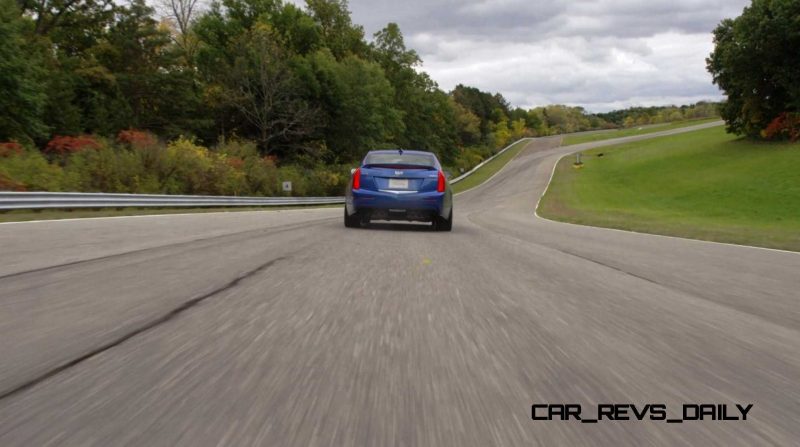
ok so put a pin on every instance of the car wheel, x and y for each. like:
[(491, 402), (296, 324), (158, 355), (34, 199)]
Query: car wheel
[(351, 221), (442, 224)]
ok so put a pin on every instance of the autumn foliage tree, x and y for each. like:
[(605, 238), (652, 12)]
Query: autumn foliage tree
[(65, 144)]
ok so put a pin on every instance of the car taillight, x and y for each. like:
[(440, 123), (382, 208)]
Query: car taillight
[(357, 179), (440, 183)]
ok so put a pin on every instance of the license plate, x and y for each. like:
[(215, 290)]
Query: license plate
[(398, 183)]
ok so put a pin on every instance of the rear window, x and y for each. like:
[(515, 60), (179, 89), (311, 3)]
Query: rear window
[(390, 160)]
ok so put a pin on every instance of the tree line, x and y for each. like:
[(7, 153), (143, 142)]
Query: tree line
[(102, 95)]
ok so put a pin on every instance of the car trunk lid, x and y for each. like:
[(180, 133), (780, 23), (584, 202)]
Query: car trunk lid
[(399, 179)]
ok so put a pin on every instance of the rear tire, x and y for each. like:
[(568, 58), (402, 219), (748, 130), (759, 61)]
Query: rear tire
[(442, 224), (353, 221)]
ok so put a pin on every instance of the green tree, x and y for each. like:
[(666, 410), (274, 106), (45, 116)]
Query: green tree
[(431, 124), (518, 129), (339, 33), (148, 75), (629, 122), (244, 14), (390, 49), (75, 17), (536, 121), (468, 125), (756, 63), (64, 32), (22, 92), (262, 88), (428, 114), (501, 133), (358, 103), (490, 109), (298, 30), (557, 119)]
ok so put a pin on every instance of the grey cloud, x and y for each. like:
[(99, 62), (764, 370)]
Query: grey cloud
[(542, 19), (600, 54)]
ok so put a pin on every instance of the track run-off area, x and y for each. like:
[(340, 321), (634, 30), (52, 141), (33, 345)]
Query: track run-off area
[(285, 328)]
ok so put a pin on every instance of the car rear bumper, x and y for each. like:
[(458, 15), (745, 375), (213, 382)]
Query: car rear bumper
[(410, 206)]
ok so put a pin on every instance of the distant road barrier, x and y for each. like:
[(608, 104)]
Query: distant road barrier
[(480, 165), (44, 200)]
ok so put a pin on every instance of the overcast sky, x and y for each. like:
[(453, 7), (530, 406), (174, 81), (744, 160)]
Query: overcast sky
[(601, 55)]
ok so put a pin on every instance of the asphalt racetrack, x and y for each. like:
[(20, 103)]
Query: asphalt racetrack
[(284, 328)]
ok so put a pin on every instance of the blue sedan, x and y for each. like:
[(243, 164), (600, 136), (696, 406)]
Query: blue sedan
[(399, 185)]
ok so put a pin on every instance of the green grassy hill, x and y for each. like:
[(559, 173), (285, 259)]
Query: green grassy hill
[(703, 185)]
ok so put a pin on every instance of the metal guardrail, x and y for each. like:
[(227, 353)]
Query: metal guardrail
[(45, 200), (480, 165)]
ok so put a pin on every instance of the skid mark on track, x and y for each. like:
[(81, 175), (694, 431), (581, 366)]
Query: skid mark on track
[(158, 321), (270, 231)]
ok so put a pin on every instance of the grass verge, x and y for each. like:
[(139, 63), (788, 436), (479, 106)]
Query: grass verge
[(701, 185), (619, 133), (55, 214), (489, 169)]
